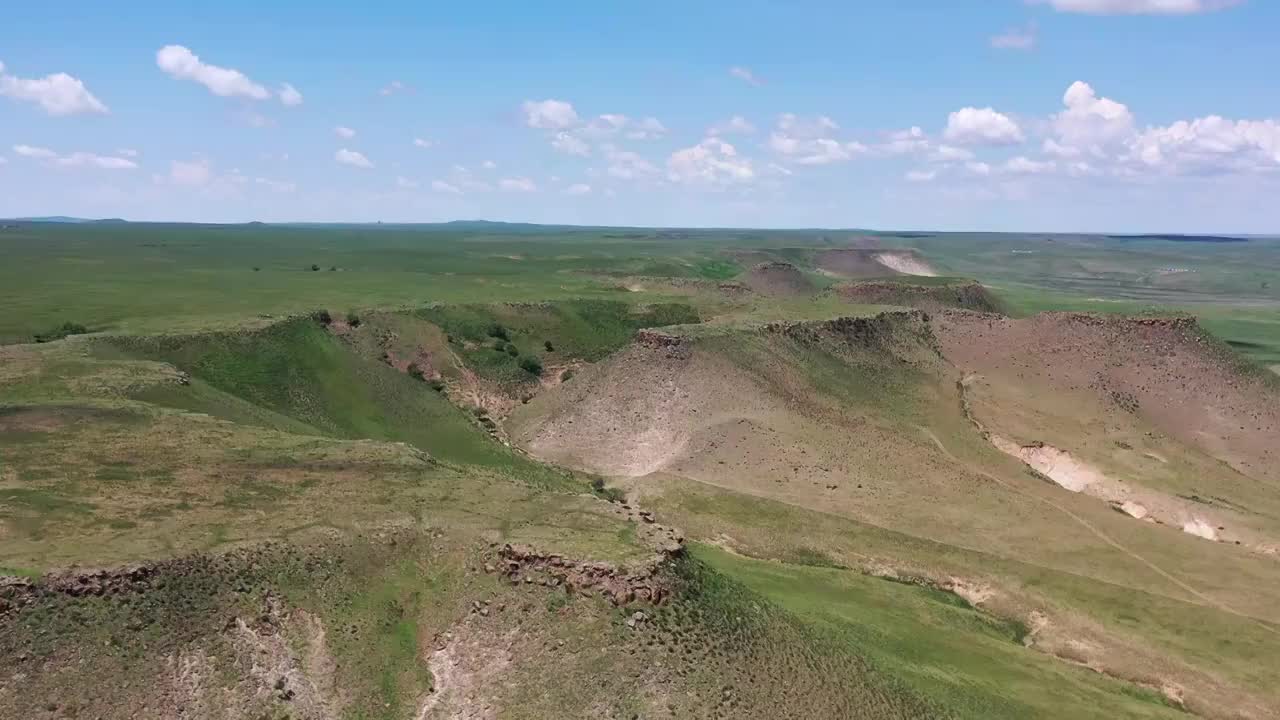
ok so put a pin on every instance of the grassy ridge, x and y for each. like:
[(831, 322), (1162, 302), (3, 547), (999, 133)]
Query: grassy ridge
[(298, 377)]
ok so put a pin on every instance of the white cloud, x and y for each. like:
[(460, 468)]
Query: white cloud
[(1208, 145), (978, 168), (422, 143), (922, 175), (127, 152), (1023, 38), (736, 125), (488, 164), (911, 140), (710, 162), (441, 186), (982, 126), (393, 87), (1021, 165), (352, 158), (181, 63), (75, 159), (627, 165), (807, 142), (1055, 149), (1089, 121), (649, 128), (949, 153), (549, 114), (34, 152), (290, 96), (58, 94), (85, 159), (571, 144), (194, 173), (745, 75), (344, 132), (1138, 7), (405, 183), (517, 184), (577, 189), (283, 186)]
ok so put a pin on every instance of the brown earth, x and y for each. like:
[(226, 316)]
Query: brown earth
[(777, 278), (968, 296), (1166, 371), (854, 263)]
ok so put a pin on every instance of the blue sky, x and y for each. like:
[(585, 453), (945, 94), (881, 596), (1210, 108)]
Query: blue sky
[(1055, 115)]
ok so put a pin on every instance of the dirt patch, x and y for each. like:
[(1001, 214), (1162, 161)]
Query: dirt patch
[(850, 262), (905, 262), (778, 279), (464, 666), (968, 295), (1053, 463)]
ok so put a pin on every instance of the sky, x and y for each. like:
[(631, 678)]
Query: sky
[(985, 115)]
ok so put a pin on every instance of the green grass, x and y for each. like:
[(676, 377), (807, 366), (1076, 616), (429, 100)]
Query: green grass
[(296, 377), (949, 653)]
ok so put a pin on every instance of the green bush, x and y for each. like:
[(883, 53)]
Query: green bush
[(315, 268), (353, 318), (496, 330), (63, 330), (548, 346), (531, 365)]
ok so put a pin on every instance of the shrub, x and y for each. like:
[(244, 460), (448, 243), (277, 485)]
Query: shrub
[(436, 384), (613, 495), (322, 316), (353, 319), (256, 269), (333, 268), (546, 344), (566, 375), (512, 350), (496, 330), (61, 331), (315, 268), (417, 371), (530, 364)]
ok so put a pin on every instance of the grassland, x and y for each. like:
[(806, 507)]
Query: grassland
[(298, 482)]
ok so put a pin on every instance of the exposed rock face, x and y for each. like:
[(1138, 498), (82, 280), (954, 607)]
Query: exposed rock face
[(620, 585)]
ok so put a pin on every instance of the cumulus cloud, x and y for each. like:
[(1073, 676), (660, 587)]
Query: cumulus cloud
[(901, 142), (57, 94), (344, 132), (1056, 149), (571, 144), (1089, 121), (710, 162), (549, 114), (649, 128), (922, 175), (192, 173), (1021, 165), (182, 64), (517, 184), (1208, 145), (806, 141), (441, 186), (34, 152), (75, 159), (289, 95), (982, 126), (1023, 38), (352, 158), (736, 125), (488, 164), (86, 159), (422, 143), (578, 189), (745, 75), (627, 165), (949, 154), (978, 168), (1138, 7)]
